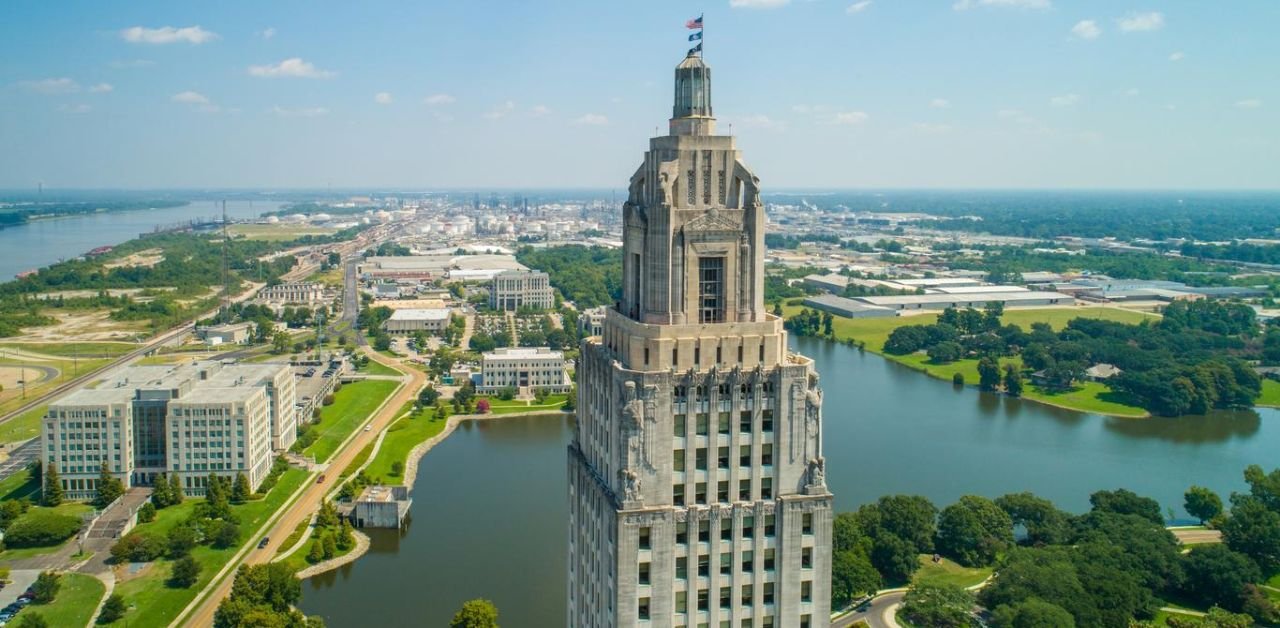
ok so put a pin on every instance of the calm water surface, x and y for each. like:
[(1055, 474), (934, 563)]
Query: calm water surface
[(490, 507), (43, 242)]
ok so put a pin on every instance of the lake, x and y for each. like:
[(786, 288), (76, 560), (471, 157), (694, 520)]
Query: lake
[(42, 242), (490, 507)]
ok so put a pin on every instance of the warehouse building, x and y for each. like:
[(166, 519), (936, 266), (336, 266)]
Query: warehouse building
[(977, 301), (410, 320), (848, 308)]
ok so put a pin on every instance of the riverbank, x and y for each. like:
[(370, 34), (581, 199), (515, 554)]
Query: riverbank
[(1091, 397)]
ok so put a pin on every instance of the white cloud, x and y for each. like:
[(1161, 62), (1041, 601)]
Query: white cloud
[(940, 103), (131, 63), (1177, 56), (291, 67), (500, 111), (438, 99), (299, 112), (858, 7), (758, 4), (759, 121), (382, 98), (101, 88), (592, 119), (1086, 29), (1066, 100), (1140, 22), (931, 128), (964, 5), (167, 35), (82, 108), (268, 32), (849, 117), (1249, 103), (62, 85), (540, 110), (190, 98)]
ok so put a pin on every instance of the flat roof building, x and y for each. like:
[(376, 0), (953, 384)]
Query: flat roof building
[(191, 420), (978, 301), (408, 321), (525, 369), (849, 308), (513, 290)]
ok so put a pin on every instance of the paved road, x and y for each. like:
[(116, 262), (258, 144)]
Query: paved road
[(879, 615), (311, 498), (351, 301)]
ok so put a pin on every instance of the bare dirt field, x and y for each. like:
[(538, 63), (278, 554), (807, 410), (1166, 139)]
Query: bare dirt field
[(82, 326), (147, 258)]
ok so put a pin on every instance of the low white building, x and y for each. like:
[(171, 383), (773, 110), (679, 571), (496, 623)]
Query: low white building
[(294, 292), (231, 333), (524, 368), (408, 321)]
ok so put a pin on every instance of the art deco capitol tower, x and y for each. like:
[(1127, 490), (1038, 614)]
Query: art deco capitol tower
[(696, 488)]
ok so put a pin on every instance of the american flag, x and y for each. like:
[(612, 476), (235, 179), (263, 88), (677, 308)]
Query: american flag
[(694, 23)]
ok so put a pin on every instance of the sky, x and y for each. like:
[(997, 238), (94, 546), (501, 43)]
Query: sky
[(538, 94)]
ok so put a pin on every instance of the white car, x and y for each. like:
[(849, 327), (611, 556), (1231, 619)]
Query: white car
[(368, 427)]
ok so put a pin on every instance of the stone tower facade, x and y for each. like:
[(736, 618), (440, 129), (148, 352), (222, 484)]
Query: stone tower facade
[(696, 477)]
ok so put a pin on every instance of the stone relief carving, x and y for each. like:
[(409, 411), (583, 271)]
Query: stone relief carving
[(631, 485), (713, 220)]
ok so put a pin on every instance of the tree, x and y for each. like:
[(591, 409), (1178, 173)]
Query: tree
[(397, 467), (1216, 618), (477, 613), (827, 321), (262, 595), (226, 535), (32, 620), (945, 352), (381, 341), (160, 493), (428, 396), (852, 575), (109, 487), (1202, 503), (1045, 574), (482, 406), (181, 540), (939, 606), (46, 587), (316, 553), (184, 573), (1217, 575), (988, 374), (507, 393), (52, 493), (1044, 523), (279, 342), (1253, 530), (1126, 502), (1264, 487), (1012, 381), (240, 490), (973, 530), (1032, 613), (176, 493), (330, 545), (896, 559), (346, 536), (327, 517), (911, 518), (113, 609)]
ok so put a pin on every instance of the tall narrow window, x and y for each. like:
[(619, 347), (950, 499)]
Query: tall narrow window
[(710, 289)]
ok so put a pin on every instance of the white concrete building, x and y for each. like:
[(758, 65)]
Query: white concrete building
[(697, 492), (513, 290), (191, 419), (293, 293), (408, 321), (525, 369)]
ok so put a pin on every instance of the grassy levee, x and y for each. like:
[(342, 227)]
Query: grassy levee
[(948, 572), (352, 406), (22, 427), (1270, 396), (401, 437), (1084, 397), (77, 598)]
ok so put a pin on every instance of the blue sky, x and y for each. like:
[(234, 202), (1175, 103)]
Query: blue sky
[(822, 93)]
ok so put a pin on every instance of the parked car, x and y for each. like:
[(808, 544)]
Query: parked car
[(320, 480), (263, 543)]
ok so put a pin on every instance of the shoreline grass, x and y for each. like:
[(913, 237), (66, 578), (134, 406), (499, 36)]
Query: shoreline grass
[(1086, 397)]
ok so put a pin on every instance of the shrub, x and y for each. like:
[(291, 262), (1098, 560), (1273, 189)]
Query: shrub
[(957, 379), (147, 513), (397, 468), (139, 547), (41, 528), (185, 573), (46, 587), (328, 399), (112, 610)]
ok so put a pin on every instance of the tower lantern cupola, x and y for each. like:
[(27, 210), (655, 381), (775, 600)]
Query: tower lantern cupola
[(691, 114)]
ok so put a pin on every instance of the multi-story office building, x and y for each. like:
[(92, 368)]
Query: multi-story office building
[(192, 420), (525, 369), (514, 289), (406, 321), (696, 473), (294, 292)]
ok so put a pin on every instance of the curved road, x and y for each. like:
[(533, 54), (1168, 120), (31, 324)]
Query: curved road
[(878, 615), (310, 500)]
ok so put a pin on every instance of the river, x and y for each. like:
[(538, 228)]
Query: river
[(490, 506), (42, 242)]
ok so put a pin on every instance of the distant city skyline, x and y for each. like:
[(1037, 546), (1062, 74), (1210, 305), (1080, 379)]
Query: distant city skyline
[(823, 94)]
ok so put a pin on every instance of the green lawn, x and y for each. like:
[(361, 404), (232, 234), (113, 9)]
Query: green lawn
[(948, 573), (401, 438), (351, 408), (552, 403), (1270, 394), (303, 527), (1086, 397), (22, 427), (377, 368), (151, 601), (297, 561), (19, 485), (73, 349), (74, 605), (74, 509)]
